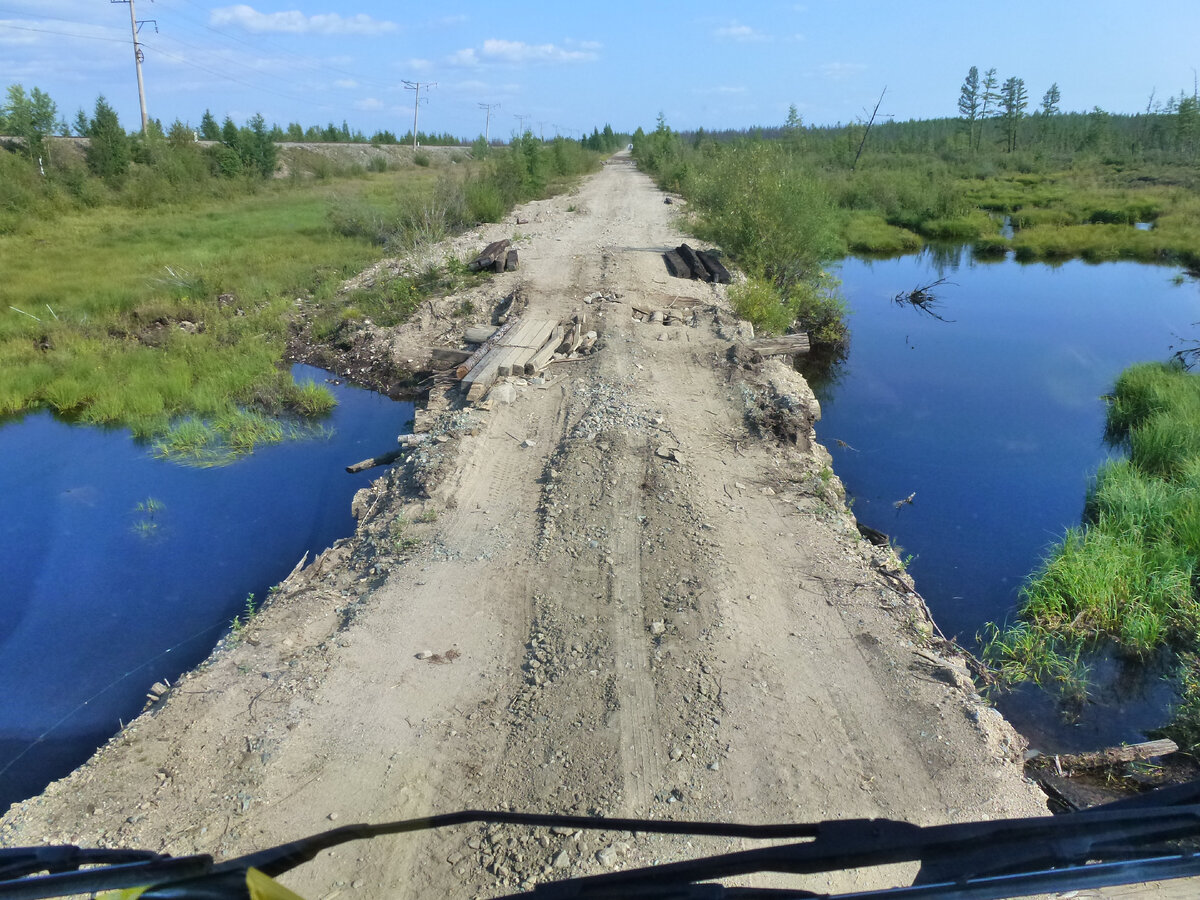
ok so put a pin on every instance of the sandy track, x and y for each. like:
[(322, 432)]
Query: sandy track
[(616, 632)]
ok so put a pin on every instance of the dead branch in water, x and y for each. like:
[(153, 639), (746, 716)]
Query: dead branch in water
[(923, 298)]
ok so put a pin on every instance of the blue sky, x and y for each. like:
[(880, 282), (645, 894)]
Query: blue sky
[(569, 66)]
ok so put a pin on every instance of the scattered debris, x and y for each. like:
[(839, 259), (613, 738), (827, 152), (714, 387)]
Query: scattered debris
[(496, 256), (702, 265), (922, 298)]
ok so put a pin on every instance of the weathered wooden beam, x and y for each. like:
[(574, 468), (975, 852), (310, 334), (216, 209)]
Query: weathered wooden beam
[(1102, 759), (717, 272), (542, 357), (511, 260), (694, 262), (785, 345), (675, 264), (462, 371), (448, 357), (492, 252)]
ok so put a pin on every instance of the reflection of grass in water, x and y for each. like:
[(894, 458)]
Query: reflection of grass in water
[(226, 439)]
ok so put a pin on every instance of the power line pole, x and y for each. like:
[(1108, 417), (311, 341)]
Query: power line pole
[(416, 86), (521, 118), (487, 122), (138, 56)]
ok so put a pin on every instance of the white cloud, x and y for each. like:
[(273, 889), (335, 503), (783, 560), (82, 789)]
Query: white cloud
[(735, 31), (419, 65), (837, 71), (346, 83), (296, 22), (497, 51), (368, 104)]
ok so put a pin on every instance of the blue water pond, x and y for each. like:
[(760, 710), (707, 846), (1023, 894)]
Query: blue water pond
[(118, 569), (992, 415)]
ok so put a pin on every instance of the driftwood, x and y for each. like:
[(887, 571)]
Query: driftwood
[(462, 370), (786, 345), (511, 260), (497, 250), (1103, 759), (383, 460)]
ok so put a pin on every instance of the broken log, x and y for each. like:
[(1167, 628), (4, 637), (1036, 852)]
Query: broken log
[(588, 342), (694, 262), (1103, 759), (511, 261), (461, 372), (785, 345), (675, 264), (383, 460), (717, 272), (492, 252)]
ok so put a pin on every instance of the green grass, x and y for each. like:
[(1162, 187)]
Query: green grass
[(1128, 578)]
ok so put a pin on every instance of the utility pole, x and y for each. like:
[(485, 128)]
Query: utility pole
[(138, 56), (416, 86), (487, 123), (520, 118)]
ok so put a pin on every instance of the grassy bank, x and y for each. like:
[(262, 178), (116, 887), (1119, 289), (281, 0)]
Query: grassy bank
[(172, 319), (1127, 579), (759, 203)]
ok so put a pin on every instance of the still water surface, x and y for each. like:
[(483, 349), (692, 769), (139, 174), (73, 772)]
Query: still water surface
[(994, 419), (99, 599)]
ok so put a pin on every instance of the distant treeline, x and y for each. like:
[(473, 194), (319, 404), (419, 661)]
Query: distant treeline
[(174, 163)]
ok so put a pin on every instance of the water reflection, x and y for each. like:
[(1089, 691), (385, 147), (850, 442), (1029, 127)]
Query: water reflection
[(995, 423), (117, 569)]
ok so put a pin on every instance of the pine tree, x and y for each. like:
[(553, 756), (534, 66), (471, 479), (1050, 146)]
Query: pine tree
[(208, 127), (969, 101), (108, 152), (1013, 101)]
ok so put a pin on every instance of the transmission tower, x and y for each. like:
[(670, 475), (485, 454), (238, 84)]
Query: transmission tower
[(138, 56), (416, 86), (487, 122)]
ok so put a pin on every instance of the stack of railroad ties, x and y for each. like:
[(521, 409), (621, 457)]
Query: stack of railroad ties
[(520, 348)]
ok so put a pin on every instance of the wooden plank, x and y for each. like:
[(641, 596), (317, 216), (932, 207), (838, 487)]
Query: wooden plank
[(531, 344), (463, 370), (541, 358), (786, 345), (502, 351)]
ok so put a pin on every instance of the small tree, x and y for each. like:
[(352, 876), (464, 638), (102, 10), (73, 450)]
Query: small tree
[(33, 117), (108, 152), (208, 127)]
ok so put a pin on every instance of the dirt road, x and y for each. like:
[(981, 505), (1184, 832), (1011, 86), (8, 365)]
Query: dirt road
[(633, 590)]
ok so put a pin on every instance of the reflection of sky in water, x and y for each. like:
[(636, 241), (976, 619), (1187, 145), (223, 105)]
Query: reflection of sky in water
[(98, 598), (994, 419)]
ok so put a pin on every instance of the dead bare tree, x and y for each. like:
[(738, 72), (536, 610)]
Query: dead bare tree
[(870, 122)]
